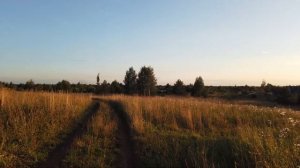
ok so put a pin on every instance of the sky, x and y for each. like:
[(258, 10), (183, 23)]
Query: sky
[(227, 42)]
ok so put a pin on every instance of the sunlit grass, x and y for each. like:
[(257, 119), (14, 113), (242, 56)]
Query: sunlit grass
[(168, 131), (97, 147), (212, 133), (32, 123)]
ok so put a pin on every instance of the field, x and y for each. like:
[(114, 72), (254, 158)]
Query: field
[(97, 147), (188, 132), (31, 124), (73, 130)]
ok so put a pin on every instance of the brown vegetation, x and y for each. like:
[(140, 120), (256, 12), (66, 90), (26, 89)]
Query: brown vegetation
[(32, 123), (98, 146), (167, 131), (211, 133)]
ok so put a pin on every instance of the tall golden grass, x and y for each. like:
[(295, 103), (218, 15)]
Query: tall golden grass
[(32, 123), (256, 136), (97, 147), (169, 131)]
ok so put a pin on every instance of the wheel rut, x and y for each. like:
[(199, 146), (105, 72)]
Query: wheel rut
[(126, 157), (56, 156), (126, 144)]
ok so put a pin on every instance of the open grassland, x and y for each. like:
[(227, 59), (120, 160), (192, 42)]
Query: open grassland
[(189, 132), (97, 147), (32, 123), (162, 132)]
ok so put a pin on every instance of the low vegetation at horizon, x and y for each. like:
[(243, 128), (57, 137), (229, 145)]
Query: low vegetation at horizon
[(166, 131), (145, 83)]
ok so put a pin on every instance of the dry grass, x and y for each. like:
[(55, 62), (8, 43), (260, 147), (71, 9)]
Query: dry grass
[(212, 133), (97, 147), (169, 132), (32, 123)]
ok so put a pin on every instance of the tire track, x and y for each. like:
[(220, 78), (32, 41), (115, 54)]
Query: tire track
[(127, 157), (56, 156)]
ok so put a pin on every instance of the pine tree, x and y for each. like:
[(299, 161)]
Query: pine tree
[(198, 88)]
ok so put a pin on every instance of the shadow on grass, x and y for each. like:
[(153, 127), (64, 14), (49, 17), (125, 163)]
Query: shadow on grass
[(56, 156), (180, 150), (125, 141), (229, 153), (162, 148)]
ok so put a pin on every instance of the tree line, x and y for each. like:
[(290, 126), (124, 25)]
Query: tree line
[(145, 83), (142, 83)]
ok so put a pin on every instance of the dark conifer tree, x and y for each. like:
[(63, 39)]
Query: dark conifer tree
[(198, 88)]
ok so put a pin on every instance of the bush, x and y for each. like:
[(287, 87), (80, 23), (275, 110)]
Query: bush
[(179, 88)]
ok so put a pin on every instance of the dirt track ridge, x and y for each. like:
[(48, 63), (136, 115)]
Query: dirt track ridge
[(55, 157), (127, 157)]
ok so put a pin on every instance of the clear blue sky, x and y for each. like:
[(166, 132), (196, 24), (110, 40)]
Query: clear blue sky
[(227, 42)]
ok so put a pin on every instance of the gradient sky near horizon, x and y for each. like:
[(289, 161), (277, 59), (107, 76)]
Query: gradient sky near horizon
[(227, 42)]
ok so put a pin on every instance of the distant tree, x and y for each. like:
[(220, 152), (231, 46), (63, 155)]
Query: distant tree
[(105, 87), (168, 88), (91, 89), (47, 87), (78, 87), (269, 88), (179, 88), (116, 87), (198, 88), (130, 81), (29, 84), (11, 85), (263, 84), (98, 80), (189, 88), (64, 85), (146, 81), (283, 95)]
